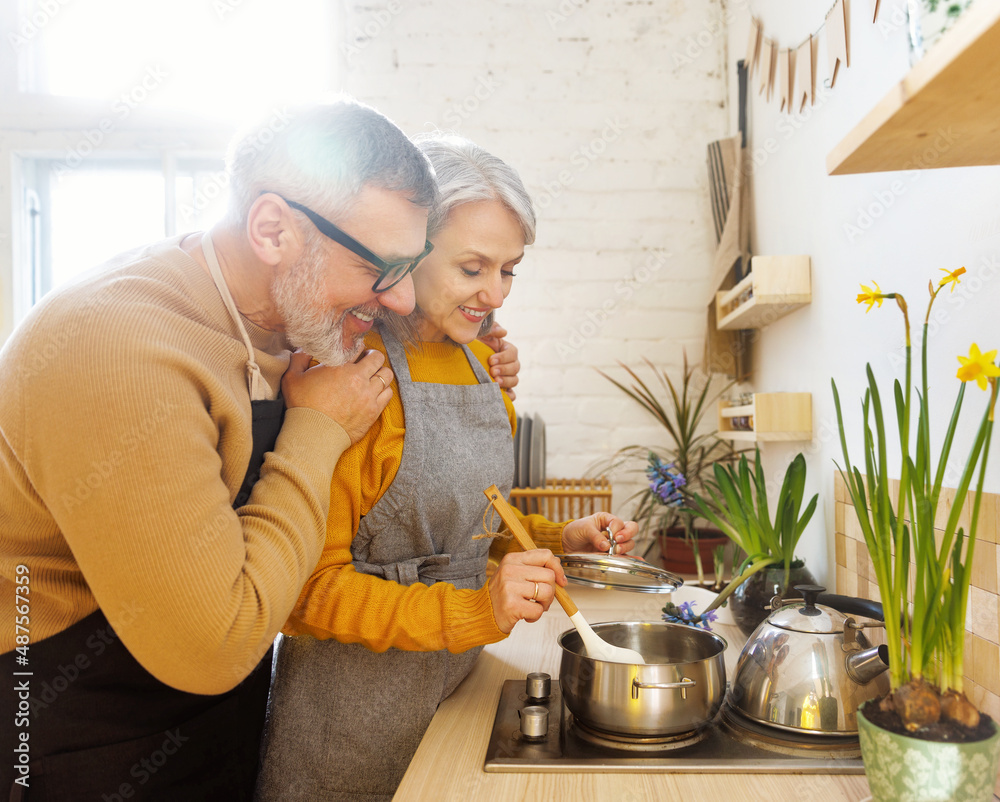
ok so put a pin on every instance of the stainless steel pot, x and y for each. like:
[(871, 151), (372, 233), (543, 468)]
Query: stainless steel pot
[(680, 687), (808, 666)]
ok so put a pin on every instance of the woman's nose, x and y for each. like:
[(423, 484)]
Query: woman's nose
[(492, 294)]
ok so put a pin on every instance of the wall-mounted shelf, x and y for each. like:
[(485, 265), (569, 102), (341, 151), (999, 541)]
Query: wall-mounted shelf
[(775, 286), (943, 113), (771, 416)]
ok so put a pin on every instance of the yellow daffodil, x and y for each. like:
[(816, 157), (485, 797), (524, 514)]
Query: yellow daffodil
[(925, 631), (870, 296), (951, 277), (978, 366)]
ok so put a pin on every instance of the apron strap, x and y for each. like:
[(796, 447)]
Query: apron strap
[(253, 370), (477, 366), (397, 359), (397, 355)]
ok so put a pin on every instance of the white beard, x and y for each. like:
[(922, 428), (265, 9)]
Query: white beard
[(308, 325)]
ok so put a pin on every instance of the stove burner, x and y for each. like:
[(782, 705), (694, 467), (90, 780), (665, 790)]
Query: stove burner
[(633, 743), (718, 747), (784, 742)]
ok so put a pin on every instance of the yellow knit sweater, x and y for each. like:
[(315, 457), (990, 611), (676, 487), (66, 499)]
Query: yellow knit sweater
[(337, 601), (124, 438)]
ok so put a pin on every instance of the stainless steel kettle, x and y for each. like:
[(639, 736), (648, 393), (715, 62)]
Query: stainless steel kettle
[(808, 666)]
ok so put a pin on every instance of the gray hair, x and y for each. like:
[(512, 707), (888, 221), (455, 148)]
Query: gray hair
[(465, 173), (322, 156)]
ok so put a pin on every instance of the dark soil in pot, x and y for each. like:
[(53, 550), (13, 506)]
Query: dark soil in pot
[(941, 731)]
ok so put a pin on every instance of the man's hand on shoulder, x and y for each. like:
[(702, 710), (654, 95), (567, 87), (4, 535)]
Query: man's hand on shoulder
[(353, 395), (504, 364)]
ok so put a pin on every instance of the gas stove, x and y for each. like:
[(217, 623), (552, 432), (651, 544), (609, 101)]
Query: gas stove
[(557, 742)]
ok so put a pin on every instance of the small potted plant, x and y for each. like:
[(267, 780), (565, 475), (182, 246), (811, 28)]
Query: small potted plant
[(925, 740), (676, 470), (737, 504)]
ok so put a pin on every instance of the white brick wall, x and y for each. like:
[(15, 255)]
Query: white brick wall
[(605, 108)]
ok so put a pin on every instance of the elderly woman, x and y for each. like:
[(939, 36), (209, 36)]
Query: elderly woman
[(400, 606)]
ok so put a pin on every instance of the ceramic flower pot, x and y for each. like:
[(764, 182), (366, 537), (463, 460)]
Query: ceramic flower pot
[(904, 769), (749, 601), (676, 552)]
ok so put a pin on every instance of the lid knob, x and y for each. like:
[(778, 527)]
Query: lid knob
[(810, 593)]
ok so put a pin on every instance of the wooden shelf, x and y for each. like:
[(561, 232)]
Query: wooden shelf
[(776, 286), (775, 416), (944, 113)]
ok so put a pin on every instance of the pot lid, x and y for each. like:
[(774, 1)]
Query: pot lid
[(807, 616), (620, 572)]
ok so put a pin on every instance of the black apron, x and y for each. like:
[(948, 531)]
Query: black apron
[(103, 728)]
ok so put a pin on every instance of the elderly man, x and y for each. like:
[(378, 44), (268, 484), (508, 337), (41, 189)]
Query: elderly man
[(161, 502)]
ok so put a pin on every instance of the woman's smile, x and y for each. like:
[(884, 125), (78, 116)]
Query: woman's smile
[(473, 314), (469, 272)]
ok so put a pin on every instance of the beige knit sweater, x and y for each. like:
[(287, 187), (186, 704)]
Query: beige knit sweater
[(124, 438)]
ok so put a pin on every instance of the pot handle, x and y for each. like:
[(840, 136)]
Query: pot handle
[(849, 605), (683, 684)]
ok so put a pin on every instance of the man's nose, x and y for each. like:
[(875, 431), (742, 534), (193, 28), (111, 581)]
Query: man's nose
[(399, 298)]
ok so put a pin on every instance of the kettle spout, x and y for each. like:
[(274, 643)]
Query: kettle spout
[(863, 667)]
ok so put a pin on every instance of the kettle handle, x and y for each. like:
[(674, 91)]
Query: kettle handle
[(850, 605)]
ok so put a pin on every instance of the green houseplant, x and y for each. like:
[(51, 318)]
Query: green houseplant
[(691, 452), (737, 504), (923, 579)]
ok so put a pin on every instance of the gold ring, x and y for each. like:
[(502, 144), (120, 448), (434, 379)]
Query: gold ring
[(384, 385), (534, 596)]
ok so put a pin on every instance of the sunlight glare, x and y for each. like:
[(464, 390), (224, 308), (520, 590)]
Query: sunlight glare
[(223, 60)]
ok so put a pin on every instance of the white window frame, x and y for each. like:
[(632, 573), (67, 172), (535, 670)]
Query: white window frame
[(40, 126)]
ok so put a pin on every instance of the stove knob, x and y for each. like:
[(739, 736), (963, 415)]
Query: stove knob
[(538, 686), (534, 722)]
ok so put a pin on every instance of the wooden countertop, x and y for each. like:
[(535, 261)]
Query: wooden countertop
[(448, 764)]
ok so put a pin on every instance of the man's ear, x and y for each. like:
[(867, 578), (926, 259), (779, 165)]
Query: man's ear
[(271, 232)]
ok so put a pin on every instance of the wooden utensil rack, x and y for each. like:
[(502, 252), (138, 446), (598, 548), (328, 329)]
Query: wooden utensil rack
[(564, 499)]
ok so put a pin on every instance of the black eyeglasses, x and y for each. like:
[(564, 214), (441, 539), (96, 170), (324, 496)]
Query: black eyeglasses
[(391, 273)]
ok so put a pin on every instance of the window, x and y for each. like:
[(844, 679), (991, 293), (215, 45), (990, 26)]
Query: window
[(116, 114), (80, 218), (213, 58)]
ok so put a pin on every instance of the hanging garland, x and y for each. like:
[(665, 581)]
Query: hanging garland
[(793, 69)]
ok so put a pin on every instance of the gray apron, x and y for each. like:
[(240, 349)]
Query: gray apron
[(344, 721)]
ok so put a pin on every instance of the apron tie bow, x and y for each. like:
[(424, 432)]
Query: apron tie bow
[(408, 571)]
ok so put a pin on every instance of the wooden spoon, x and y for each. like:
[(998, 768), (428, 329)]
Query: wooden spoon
[(596, 647)]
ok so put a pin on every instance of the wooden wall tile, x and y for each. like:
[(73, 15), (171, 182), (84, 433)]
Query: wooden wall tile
[(984, 566), (986, 664), (984, 614)]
